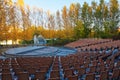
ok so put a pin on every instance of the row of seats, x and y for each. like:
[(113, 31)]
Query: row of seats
[(86, 42), (103, 46), (86, 65), (25, 68), (79, 66)]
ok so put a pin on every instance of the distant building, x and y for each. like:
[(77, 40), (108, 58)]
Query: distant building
[(9, 42)]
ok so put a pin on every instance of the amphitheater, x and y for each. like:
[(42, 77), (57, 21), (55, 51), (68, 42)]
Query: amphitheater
[(85, 59)]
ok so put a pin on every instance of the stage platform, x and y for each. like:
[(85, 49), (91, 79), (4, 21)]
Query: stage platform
[(39, 51)]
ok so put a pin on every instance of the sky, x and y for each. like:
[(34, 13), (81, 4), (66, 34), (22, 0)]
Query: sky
[(54, 5)]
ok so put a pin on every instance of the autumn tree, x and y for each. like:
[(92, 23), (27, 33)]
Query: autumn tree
[(4, 12), (114, 15), (74, 13), (19, 21), (51, 25), (79, 30), (68, 31), (85, 18), (13, 23), (59, 24), (2, 18)]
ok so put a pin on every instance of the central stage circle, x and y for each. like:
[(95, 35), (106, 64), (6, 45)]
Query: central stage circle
[(39, 51)]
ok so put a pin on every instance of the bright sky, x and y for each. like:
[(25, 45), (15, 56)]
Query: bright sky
[(54, 5)]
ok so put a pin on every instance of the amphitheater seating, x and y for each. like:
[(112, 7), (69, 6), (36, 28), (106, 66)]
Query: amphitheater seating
[(54, 79), (116, 74), (86, 42), (90, 76), (102, 46), (83, 65), (55, 74), (104, 75), (94, 44), (71, 67), (23, 76), (40, 75), (73, 77), (6, 76)]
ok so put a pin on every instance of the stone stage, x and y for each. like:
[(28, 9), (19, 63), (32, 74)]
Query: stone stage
[(39, 51)]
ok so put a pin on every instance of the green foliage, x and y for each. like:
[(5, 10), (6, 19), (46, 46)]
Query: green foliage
[(79, 30), (26, 42), (59, 42), (116, 37), (105, 35)]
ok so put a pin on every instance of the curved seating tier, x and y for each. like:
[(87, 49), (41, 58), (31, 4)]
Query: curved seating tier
[(79, 66), (86, 42)]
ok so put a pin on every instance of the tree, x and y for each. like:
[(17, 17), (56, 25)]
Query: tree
[(4, 28), (79, 30), (59, 25), (114, 15), (71, 15), (13, 23), (85, 19), (65, 17), (58, 20), (74, 13)]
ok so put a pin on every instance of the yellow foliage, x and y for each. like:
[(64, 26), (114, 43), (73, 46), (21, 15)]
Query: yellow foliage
[(20, 3), (9, 2), (72, 7)]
